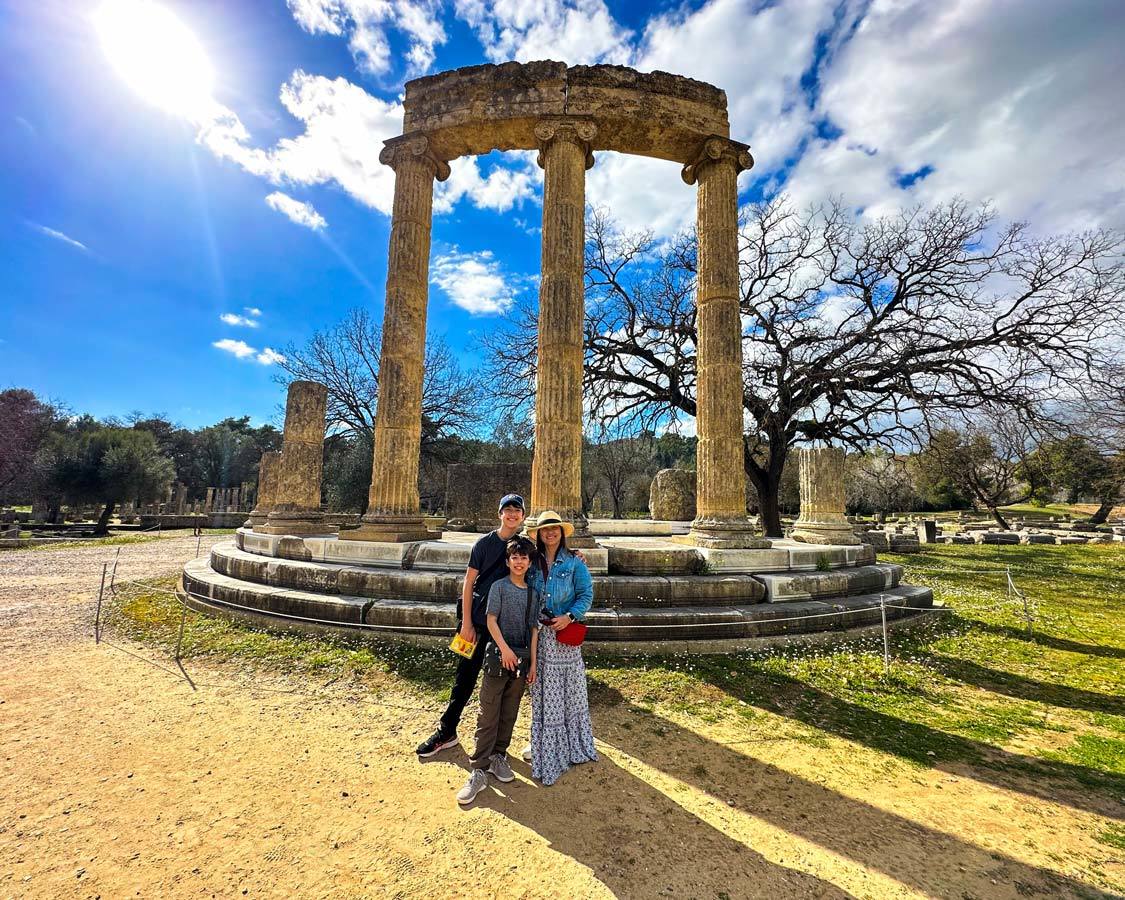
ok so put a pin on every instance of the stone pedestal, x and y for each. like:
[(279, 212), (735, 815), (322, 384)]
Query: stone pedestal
[(394, 511), (822, 519), (721, 520), (267, 488), (556, 472), (296, 509)]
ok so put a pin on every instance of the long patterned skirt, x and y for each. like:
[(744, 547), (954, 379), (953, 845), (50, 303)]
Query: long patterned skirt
[(561, 733)]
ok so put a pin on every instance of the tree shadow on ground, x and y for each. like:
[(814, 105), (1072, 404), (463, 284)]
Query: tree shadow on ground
[(1050, 640), (1057, 782), (1021, 687), (929, 861), (636, 840)]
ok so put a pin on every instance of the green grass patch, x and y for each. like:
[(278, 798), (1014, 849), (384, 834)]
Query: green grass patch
[(1114, 836)]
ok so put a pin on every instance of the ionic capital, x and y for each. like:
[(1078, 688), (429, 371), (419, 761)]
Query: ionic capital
[(575, 131), (718, 150), (415, 146)]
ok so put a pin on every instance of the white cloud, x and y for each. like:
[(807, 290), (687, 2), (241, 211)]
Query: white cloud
[(297, 211), (269, 356), (242, 350), (237, 320), (1019, 104), (502, 189), (366, 23), (59, 236), (473, 281), (237, 348), (252, 311), (576, 31)]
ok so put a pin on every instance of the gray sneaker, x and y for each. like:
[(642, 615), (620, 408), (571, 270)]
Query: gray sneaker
[(498, 766), (477, 782)]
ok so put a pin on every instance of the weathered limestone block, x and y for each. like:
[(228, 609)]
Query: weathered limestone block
[(672, 496), (927, 531), (472, 493), (822, 519), (296, 507)]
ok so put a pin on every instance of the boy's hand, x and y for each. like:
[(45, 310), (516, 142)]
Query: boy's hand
[(531, 673), (508, 659), (580, 555), (468, 632)]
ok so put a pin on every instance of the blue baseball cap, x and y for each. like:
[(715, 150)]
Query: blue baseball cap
[(511, 500)]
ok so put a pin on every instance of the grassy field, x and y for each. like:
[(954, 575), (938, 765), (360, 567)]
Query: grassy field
[(117, 540)]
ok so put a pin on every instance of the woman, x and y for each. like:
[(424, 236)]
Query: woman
[(561, 734)]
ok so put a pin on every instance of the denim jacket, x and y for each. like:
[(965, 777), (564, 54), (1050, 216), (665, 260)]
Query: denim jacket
[(569, 587)]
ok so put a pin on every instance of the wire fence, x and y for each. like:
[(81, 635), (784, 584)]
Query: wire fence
[(1016, 601)]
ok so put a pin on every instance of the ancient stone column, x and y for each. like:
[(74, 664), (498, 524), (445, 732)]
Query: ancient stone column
[(296, 508), (556, 470), (720, 520), (267, 488), (822, 519), (393, 508)]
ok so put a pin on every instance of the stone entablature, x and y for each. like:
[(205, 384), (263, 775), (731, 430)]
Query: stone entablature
[(478, 109)]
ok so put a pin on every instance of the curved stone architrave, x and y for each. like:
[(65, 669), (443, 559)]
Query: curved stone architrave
[(478, 109), (823, 519)]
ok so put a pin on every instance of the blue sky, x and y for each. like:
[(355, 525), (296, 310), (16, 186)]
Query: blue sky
[(128, 230)]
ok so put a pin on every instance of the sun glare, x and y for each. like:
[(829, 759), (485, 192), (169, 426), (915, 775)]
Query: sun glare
[(157, 55)]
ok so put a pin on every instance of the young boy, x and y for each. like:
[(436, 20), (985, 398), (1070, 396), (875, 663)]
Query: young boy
[(513, 624), (486, 567)]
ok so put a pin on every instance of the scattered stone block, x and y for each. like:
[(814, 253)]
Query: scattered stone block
[(671, 497)]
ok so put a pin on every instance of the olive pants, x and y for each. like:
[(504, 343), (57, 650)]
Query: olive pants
[(499, 707)]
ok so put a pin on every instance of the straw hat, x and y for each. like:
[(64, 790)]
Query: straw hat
[(546, 519)]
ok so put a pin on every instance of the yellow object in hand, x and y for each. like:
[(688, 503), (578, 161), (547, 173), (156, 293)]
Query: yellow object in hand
[(462, 647)]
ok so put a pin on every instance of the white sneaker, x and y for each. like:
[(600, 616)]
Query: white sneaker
[(526, 753), (477, 782)]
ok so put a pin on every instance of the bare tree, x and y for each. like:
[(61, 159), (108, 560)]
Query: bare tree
[(853, 331), (345, 358), (618, 457)]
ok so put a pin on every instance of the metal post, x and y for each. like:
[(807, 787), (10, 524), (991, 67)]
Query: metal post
[(198, 541), (98, 612), (886, 642)]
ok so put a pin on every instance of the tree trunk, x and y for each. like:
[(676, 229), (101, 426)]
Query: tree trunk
[(999, 518), (1103, 512), (769, 508), (103, 519)]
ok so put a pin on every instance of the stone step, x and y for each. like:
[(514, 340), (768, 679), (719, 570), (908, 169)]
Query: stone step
[(840, 583), (434, 620)]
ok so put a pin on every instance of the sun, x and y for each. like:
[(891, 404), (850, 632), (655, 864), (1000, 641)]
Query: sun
[(157, 55)]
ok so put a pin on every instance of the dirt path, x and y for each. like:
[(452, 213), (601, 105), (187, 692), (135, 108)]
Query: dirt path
[(118, 779)]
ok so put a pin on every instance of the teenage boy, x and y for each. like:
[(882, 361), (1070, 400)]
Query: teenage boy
[(486, 567), (513, 623)]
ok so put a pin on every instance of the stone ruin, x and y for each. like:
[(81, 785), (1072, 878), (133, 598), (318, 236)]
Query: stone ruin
[(671, 497), (722, 586)]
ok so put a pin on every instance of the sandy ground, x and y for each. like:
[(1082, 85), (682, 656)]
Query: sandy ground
[(119, 779)]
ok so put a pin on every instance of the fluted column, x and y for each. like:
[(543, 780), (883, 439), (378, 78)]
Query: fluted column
[(267, 487), (823, 519), (393, 509), (720, 520), (296, 508), (556, 470)]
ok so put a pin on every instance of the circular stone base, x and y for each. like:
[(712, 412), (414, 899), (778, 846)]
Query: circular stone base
[(412, 591)]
